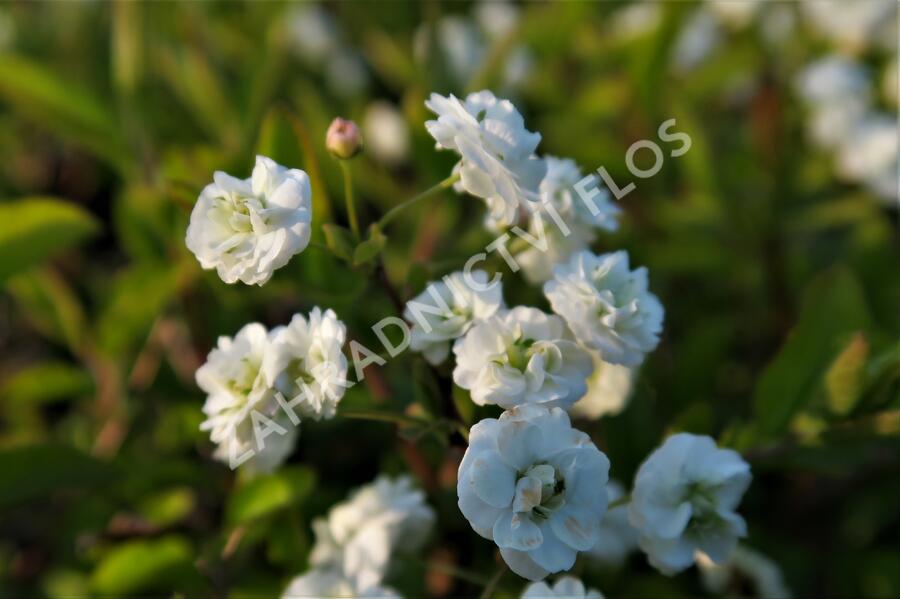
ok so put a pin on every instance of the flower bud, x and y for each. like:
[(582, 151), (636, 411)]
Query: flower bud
[(343, 139)]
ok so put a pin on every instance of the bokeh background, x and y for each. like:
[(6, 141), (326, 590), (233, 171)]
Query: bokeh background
[(775, 257)]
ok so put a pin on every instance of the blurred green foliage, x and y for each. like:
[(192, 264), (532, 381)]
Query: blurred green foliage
[(780, 286)]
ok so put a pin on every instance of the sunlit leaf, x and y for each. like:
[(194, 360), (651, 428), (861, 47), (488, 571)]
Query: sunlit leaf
[(34, 229), (268, 494), (144, 565)]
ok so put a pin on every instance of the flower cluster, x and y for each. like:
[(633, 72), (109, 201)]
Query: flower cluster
[(249, 379), (355, 542), (528, 481)]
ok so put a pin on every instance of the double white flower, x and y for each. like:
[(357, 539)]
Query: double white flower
[(359, 536), (248, 228), (617, 536), (447, 309), (565, 587), (324, 583), (523, 356), (607, 305), (302, 361), (535, 486), (744, 566), (684, 499), (497, 161), (582, 221), (608, 390), (236, 385), (306, 358)]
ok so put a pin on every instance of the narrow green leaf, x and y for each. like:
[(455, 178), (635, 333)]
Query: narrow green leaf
[(833, 308), (844, 378), (34, 229), (47, 382), (369, 249), (63, 107), (339, 240), (30, 472), (153, 564), (268, 494)]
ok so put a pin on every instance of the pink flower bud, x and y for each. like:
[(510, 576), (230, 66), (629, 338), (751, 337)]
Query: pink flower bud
[(343, 139)]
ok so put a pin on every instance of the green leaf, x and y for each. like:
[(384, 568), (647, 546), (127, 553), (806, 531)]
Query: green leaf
[(369, 249), (143, 565), (833, 308), (277, 139), (47, 382), (843, 381), (30, 472), (339, 240), (34, 229), (168, 507), (137, 298), (50, 306), (61, 106), (268, 494)]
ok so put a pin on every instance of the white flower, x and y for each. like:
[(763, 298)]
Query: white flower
[(684, 499), (535, 486), (246, 229), (236, 385), (305, 357), (565, 587), (521, 357), (837, 90), (386, 132), (617, 536), (608, 390), (697, 41), (735, 14), (869, 154), (607, 305), (744, 565), (557, 193), (497, 152), (447, 309), (854, 24), (359, 536), (322, 583)]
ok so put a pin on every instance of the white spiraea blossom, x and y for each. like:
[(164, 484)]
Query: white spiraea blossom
[(607, 305), (837, 92), (565, 587), (497, 161), (582, 221), (236, 386), (386, 132), (359, 536), (855, 25), (248, 228), (522, 356), (617, 536), (447, 309), (684, 499), (608, 390), (869, 154), (324, 583), (305, 358), (744, 565), (535, 486)]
